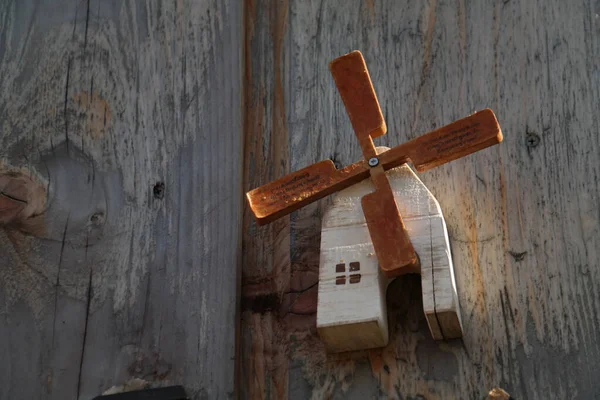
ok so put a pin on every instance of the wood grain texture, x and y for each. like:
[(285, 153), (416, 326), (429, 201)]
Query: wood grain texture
[(128, 114), (523, 217)]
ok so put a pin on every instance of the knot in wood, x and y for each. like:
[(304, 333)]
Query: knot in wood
[(21, 197)]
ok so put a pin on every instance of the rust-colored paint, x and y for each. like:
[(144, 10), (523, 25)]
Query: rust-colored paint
[(394, 250), (293, 191), (353, 81), (393, 247)]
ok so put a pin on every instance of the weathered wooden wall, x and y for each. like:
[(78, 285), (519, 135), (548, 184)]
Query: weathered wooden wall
[(523, 217), (129, 114)]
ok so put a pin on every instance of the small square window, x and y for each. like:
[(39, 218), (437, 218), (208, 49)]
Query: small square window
[(340, 280), (340, 268), (354, 266), (354, 278)]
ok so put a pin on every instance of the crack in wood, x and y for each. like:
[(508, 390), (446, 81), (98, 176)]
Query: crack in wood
[(13, 198)]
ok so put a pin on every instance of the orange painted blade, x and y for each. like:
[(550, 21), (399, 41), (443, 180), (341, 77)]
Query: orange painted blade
[(295, 190), (354, 84), (395, 252), (447, 143)]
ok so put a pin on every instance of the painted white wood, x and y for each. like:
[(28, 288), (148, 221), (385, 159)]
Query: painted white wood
[(352, 313)]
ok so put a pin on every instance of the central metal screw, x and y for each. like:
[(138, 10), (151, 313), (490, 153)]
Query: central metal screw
[(373, 162)]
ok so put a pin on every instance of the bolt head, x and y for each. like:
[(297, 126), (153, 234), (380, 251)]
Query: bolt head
[(373, 162)]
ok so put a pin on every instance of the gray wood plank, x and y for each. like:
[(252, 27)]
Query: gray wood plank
[(129, 114), (523, 217)]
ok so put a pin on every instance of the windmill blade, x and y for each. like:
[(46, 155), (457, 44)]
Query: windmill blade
[(447, 143), (295, 190), (395, 252), (354, 84)]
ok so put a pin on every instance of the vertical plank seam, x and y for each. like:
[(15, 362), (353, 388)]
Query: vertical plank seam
[(243, 57)]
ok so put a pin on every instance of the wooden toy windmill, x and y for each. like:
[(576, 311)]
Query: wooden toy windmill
[(365, 239)]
